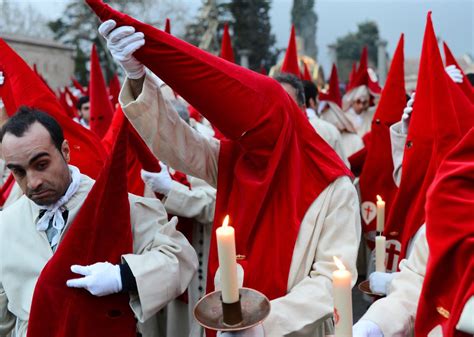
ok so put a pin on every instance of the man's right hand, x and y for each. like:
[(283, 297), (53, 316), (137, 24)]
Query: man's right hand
[(365, 328), (406, 117), (122, 43), (380, 282)]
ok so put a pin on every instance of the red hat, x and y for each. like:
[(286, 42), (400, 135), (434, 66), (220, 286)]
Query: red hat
[(290, 63), (23, 87), (361, 77), (226, 46), (352, 75), (376, 177), (333, 94), (70, 110), (168, 26), (306, 75), (433, 131), (448, 283), (465, 85), (71, 97), (105, 212), (101, 108), (114, 89), (78, 86), (266, 132)]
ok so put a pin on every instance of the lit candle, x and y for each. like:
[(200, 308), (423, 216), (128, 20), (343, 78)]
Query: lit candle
[(380, 253), (380, 214), (227, 262), (341, 280)]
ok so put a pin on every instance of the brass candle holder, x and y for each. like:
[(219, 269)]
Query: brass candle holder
[(251, 309)]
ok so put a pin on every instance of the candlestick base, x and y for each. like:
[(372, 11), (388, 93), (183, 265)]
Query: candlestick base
[(364, 287), (209, 311)]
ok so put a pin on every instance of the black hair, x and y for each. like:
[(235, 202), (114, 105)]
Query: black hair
[(310, 91), (22, 120), (295, 82), (470, 77), (82, 100)]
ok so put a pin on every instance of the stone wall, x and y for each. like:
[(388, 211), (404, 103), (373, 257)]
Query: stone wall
[(53, 60)]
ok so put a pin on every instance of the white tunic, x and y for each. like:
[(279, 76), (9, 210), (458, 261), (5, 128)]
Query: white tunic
[(163, 262)]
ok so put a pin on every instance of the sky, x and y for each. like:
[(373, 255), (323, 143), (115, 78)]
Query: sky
[(453, 21)]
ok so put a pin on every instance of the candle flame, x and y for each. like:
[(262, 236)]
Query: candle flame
[(339, 263), (379, 198), (225, 223)]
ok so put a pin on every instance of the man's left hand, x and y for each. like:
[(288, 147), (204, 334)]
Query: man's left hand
[(100, 279), (454, 73)]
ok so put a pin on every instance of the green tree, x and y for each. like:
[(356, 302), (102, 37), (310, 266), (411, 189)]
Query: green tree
[(305, 19), (350, 46), (252, 31), (77, 27)]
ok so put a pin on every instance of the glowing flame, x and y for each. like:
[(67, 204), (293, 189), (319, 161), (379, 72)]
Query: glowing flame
[(339, 263), (379, 198), (225, 223)]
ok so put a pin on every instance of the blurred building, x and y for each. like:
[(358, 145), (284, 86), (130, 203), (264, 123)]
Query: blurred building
[(54, 61)]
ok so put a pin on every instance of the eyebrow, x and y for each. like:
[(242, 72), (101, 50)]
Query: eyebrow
[(32, 160)]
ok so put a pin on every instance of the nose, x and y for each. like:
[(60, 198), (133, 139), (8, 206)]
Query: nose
[(34, 181)]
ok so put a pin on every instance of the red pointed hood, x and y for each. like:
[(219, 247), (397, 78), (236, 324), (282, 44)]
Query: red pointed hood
[(450, 235), (23, 87), (361, 77), (376, 177), (266, 132), (101, 108), (433, 131), (290, 63), (106, 210), (352, 75), (333, 94), (168, 26), (306, 75), (78, 86), (66, 104), (226, 46), (465, 86)]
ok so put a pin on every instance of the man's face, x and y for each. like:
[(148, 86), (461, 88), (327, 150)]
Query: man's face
[(85, 111), (360, 105), (39, 168)]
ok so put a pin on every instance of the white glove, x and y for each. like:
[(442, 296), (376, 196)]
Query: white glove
[(454, 73), (101, 278), (407, 114), (159, 182), (380, 282), (256, 331), (2, 78), (122, 43), (366, 328)]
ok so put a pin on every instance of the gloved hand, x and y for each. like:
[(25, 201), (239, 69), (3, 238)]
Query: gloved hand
[(2, 78), (380, 282), (122, 43), (256, 331), (159, 182), (366, 328), (454, 73), (407, 114), (101, 278)]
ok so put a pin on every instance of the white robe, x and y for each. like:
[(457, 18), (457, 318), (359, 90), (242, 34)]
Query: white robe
[(330, 227), (163, 262)]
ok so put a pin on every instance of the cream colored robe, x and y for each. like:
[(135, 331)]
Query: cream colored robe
[(395, 314), (163, 262), (331, 135), (330, 227)]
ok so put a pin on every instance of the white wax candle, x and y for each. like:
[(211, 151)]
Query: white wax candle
[(341, 280), (380, 214), (227, 262), (380, 253)]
